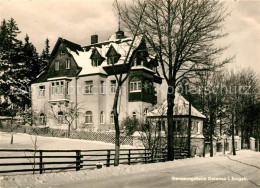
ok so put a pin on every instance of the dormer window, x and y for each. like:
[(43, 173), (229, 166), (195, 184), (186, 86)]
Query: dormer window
[(111, 60), (112, 56), (96, 62), (57, 65), (96, 58), (68, 64)]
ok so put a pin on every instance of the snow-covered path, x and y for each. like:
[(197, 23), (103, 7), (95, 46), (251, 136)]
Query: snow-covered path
[(155, 175), (230, 173)]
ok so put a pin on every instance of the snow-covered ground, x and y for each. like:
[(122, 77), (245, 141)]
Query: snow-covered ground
[(24, 141)]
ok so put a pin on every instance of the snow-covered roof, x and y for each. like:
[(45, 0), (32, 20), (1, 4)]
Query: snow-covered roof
[(181, 107), (122, 47)]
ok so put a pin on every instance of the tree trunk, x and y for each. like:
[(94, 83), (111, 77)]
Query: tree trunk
[(170, 101), (233, 136), (211, 124), (68, 130), (116, 122), (12, 128), (189, 128), (12, 138)]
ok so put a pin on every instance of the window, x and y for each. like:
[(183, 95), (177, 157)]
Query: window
[(52, 88), (95, 62), (88, 117), (67, 88), (68, 64), (111, 60), (134, 115), (139, 62), (57, 88), (61, 87), (112, 117), (145, 112), (198, 127), (102, 87), (135, 86), (60, 117), (57, 65), (41, 91), (102, 117), (42, 119), (88, 87), (112, 86), (62, 52)]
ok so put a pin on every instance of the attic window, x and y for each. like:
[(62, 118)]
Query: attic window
[(62, 52), (95, 62), (67, 64), (57, 65), (111, 60)]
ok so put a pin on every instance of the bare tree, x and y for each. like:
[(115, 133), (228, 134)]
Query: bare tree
[(67, 115), (121, 77), (182, 33), (35, 147)]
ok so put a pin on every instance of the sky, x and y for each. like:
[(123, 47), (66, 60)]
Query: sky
[(77, 20)]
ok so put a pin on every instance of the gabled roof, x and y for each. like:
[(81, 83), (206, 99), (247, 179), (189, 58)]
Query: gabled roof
[(69, 45), (181, 108), (82, 55)]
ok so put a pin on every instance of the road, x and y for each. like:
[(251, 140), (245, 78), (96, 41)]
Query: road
[(228, 171)]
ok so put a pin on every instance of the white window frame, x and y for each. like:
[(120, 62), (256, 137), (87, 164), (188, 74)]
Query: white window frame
[(89, 117), (68, 63), (112, 86), (102, 87), (42, 91), (112, 118), (57, 88), (95, 62), (198, 127), (88, 89), (135, 86), (57, 65), (102, 117), (67, 88)]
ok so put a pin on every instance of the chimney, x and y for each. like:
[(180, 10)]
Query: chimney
[(120, 34), (94, 39)]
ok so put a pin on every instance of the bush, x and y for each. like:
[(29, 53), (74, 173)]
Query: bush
[(130, 125)]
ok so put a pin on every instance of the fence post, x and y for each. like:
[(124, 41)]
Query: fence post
[(40, 165), (145, 156), (78, 153), (129, 157), (108, 158)]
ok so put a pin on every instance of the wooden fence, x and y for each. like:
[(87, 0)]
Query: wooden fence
[(43, 161)]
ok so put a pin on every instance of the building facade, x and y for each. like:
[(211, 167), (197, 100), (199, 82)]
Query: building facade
[(80, 83)]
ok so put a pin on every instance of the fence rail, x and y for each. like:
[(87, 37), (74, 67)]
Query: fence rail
[(43, 161)]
